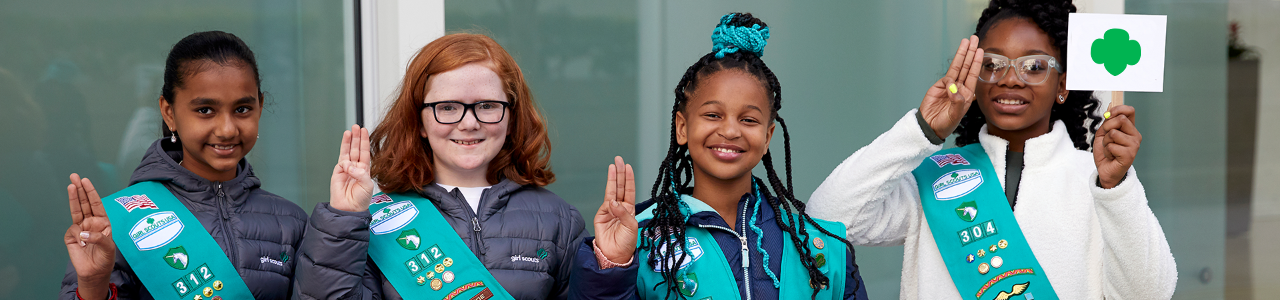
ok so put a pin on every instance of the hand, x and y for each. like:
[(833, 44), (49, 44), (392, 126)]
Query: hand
[(616, 220), (89, 244), (1115, 145), (351, 185), (943, 108)]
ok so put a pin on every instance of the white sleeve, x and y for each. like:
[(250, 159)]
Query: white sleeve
[(873, 192), (1136, 261)]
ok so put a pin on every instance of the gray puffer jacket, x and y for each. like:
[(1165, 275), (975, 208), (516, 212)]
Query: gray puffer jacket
[(513, 220), (253, 227)]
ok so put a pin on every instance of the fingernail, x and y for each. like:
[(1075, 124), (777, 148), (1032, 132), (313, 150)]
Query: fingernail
[(81, 243), (84, 235), (953, 88), (1106, 115)]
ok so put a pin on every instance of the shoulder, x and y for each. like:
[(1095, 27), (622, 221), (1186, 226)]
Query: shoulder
[(264, 201)]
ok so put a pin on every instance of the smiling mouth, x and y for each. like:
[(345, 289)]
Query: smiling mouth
[(466, 142), (726, 150), (1010, 101), (225, 149)]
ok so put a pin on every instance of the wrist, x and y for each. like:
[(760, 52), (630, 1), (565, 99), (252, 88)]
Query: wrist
[(347, 207), (607, 262), (93, 288)]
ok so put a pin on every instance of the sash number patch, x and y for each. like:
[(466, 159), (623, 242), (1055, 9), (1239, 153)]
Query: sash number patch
[(192, 281), (977, 232)]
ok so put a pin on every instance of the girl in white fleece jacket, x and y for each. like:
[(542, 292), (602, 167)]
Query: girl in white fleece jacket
[(1083, 214)]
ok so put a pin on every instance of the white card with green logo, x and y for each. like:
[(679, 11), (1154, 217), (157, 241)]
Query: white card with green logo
[(1114, 52)]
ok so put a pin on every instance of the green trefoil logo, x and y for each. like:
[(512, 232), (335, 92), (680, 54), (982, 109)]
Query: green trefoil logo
[(1115, 51)]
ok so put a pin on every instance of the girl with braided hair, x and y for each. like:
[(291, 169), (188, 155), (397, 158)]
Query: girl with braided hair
[(1022, 207), (733, 234)]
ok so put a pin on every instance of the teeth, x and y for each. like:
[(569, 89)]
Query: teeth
[(1009, 101), (725, 150), (228, 147), (467, 142)]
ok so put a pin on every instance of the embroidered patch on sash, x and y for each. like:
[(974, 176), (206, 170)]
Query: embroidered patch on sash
[(155, 230), (393, 217), (956, 184), (695, 252), (136, 201), (949, 159)]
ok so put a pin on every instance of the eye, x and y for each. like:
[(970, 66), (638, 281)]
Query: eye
[(750, 121), (445, 107), (711, 115), (243, 110), (204, 110), (488, 105)]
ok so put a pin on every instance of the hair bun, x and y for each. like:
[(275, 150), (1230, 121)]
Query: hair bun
[(731, 36)]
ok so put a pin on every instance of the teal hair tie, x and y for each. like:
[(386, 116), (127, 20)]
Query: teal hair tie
[(727, 38)]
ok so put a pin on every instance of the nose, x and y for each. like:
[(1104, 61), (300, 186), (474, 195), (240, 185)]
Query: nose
[(225, 127), (1010, 78), (469, 120), (729, 130)]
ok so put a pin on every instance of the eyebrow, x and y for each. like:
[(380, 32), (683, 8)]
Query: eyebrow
[(214, 102), (1033, 51)]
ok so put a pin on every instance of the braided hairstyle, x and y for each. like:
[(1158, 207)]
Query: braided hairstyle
[(1050, 16), (739, 42)]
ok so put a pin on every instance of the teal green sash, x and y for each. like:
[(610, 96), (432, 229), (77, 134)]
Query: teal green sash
[(706, 273), (172, 260), (434, 266), (975, 229)]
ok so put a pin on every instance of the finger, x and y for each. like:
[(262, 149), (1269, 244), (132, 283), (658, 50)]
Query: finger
[(1099, 140), (1119, 154), (968, 58), (344, 153), (611, 185), (958, 60), (975, 68), (620, 179), (953, 90), (1124, 110), (72, 237), (1123, 139), (85, 207), (630, 192), (77, 215), (94, 200), (364, 148)]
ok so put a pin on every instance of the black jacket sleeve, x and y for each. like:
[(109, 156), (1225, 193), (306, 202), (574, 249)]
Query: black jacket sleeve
[(333, 260)]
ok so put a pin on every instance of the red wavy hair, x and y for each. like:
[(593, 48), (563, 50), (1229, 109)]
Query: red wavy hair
[(402, 158)]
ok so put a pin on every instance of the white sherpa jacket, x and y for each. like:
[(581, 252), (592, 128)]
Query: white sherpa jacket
[(1092, 242)]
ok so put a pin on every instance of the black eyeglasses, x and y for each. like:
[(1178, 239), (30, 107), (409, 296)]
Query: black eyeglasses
[(449, 112)]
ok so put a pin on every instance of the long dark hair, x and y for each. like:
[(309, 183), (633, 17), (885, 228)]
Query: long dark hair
[(216, 46), (1050, 16), (677, 168)]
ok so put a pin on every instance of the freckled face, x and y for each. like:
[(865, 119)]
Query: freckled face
[(467, 146), (726, 125)]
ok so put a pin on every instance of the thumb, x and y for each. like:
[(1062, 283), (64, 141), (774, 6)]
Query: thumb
[(954, 90)]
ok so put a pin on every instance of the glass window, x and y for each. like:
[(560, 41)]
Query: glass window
[(80, 81)]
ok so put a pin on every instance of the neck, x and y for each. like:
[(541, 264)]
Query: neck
[(1018, 138), (721, 194), (462, 178), (205, 170)]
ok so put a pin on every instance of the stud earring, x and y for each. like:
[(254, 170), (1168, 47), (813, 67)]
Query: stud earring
[(1061, 99)]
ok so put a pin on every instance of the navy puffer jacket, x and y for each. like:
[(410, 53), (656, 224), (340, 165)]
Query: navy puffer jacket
[(255, 228), (512, 223)]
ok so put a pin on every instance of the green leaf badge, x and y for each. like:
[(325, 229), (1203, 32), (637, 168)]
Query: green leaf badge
[(176, 258), (1115, 51), (542, 253), (409, 239), (967, 211)]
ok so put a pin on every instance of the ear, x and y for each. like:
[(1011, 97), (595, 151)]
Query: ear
[(1062, 85), (682, 135), (768, 136), (166, 112)]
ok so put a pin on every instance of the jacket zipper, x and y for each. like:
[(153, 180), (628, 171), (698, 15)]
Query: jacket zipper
[(222, 204), (746, 258)]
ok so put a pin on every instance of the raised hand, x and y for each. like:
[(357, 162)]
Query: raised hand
[(351, 186), (948, 100), (89, 244), (1116, 145), (615, 222)]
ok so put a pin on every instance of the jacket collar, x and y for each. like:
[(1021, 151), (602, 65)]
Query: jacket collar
[(493, 199), (160, 163), (1037, 152)]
